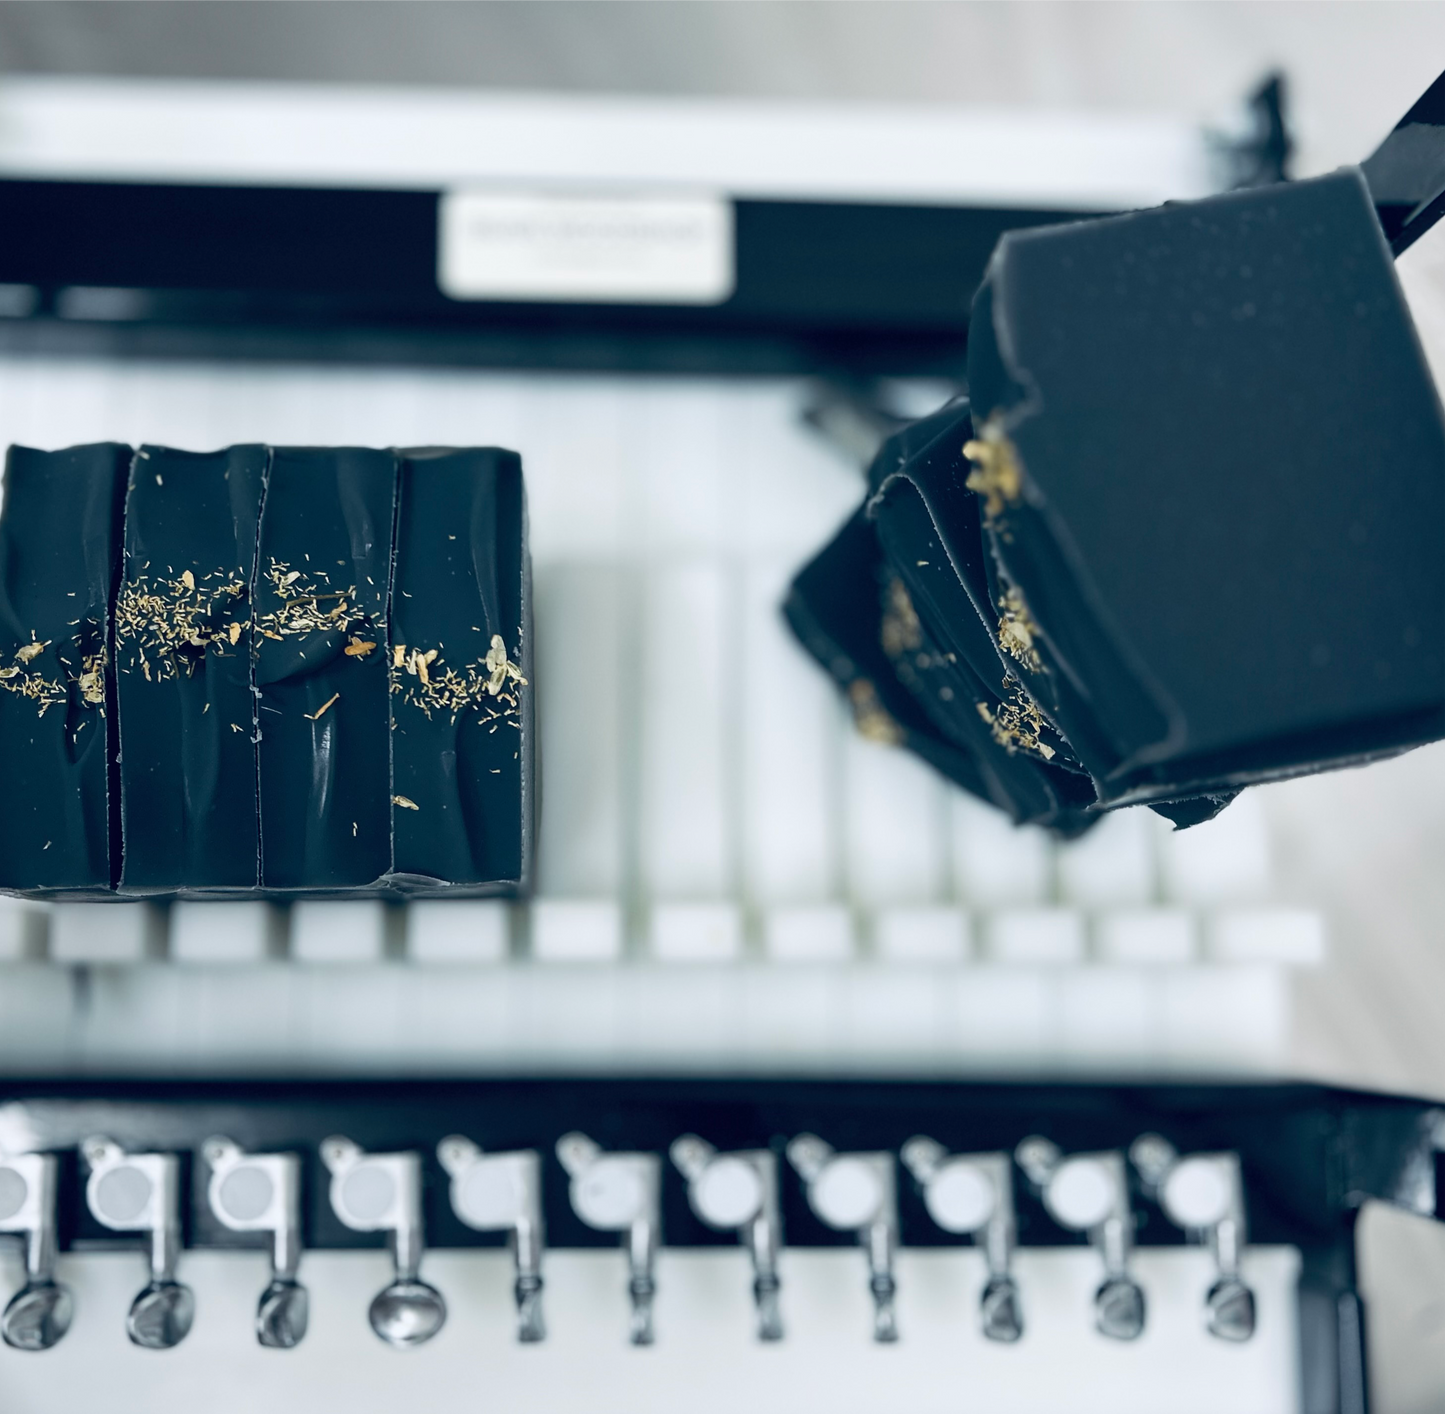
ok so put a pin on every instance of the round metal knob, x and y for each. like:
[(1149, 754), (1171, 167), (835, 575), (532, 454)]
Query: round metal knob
[(728, 1192), (1197, 1194), (160, 1317), (1230, 1309), (610, 1194), (246, 1192), (408, 1312), (960, 1197), (122, 1195), (1080, 1194), (13, 1192), (37, 1316), (367, 1193), (282, 1315), (490, 1195), (1001, 1311), (1119, 1309), (847, 1193)]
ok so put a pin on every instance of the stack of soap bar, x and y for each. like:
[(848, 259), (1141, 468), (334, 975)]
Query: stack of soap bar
[(311, 664), (1188, 533)]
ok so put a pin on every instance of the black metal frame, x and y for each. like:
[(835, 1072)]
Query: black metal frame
[(1310, 1156), (337, 274)]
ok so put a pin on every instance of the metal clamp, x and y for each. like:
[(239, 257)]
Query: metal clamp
[(620, 1193), (503, 1193), (262, 1193), (39, 1314), (739, 1192), (1204, 1195), (141, 1193), (382, 1193), (972, 1194), (1090, 1193), (857, 1193)]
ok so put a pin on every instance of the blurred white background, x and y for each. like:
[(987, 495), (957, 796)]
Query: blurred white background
[(1350, 65)]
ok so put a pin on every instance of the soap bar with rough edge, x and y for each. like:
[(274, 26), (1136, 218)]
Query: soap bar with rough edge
[(1196, 526), (183, 671), (1218, 470), (930, 528), (835, 607), (59, 543), (323, 587), (929, 627), (928, 519), (460, 660)]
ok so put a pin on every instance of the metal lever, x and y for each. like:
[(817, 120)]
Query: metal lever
[(382, 1193), (141, 1193), (973, 1194), (1204, 1194), (262, 1193), (620, 1193), (39, 1314), (740, 1191), (503, 1192), (857, 1193), (1090, 1193)]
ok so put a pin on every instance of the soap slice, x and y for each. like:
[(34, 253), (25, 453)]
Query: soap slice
[(930, 528), (928, 626), (1212, 463), (947, 527), (59, 539), (835, 607), (183, 671), (935, 635), (460, 661), (322, 672)]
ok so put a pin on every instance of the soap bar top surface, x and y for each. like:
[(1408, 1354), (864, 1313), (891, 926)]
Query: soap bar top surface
[(1222, 414), (183, 669), (59, 542), (460, 670), (207, 687), (323, 589)]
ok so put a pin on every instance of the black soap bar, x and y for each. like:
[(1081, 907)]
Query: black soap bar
[(1212, 462), (460, 659), (1186, 534), (59, 545), (929, 628), (926, 477), (937, 625), (322, 671), (930, 528), (925, 501), (228, 674), (835, 607), (183, 671)]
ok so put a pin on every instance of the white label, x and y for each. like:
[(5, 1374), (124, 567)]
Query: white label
[(613, 249)]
